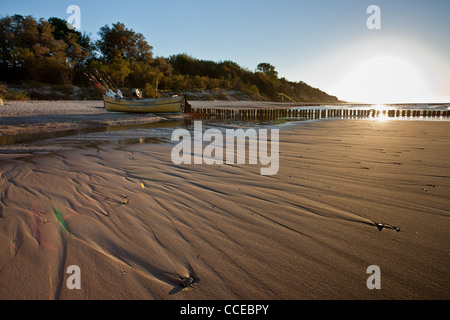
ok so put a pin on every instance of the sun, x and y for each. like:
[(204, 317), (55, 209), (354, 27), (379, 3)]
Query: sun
[(383, 80)]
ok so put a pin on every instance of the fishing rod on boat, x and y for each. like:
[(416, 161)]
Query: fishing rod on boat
[(91, 79), (95, 82), (103, 84), (101, 79), (112, 83), (109, 83)]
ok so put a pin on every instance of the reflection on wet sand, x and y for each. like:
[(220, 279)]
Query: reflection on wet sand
[(33, 137)]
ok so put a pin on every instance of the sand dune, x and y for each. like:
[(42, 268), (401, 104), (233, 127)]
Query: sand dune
[(139, 226)]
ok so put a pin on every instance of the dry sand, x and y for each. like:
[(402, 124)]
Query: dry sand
[(137, 225)]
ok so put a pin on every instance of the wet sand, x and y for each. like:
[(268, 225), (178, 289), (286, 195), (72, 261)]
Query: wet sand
[(140, 227), (36, 117)]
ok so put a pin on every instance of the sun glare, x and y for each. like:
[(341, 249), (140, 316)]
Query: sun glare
[(385, 79), (381, 112)]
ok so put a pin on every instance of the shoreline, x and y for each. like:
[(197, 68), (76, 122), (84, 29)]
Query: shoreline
[(36, 117)]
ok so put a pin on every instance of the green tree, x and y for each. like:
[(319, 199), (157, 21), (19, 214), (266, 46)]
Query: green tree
[(119, 69), (79, 46), (267, 69), (163, 66), (29, 50), (119, 40)]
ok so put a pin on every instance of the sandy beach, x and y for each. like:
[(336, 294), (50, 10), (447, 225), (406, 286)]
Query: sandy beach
[(140, 227)]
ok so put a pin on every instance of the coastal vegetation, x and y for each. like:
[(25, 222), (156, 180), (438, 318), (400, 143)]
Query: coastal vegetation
[(48, 54)]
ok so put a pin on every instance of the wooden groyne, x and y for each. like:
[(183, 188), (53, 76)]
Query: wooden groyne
[(268, 113)]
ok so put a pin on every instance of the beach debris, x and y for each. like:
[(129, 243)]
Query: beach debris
[(124, 199), (103, 212), (381, 226), (123, 272), (187, 282)]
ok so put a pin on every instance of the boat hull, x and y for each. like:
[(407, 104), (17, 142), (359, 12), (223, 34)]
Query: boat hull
[(163, 105)]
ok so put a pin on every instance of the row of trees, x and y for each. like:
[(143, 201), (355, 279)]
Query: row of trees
[(47, 51)]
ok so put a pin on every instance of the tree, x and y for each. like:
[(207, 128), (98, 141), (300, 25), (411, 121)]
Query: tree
[(61, 30), (119, 69), (29, 50), (120, 40), (267, 69), (79, 46), (163, 66)]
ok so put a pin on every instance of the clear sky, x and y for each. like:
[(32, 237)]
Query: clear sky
[(325, 43)]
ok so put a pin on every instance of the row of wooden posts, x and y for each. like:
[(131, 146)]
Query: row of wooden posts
[(317, 113)]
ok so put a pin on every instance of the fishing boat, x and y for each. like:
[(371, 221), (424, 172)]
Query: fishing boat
[(161, 105), (114, 100)]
